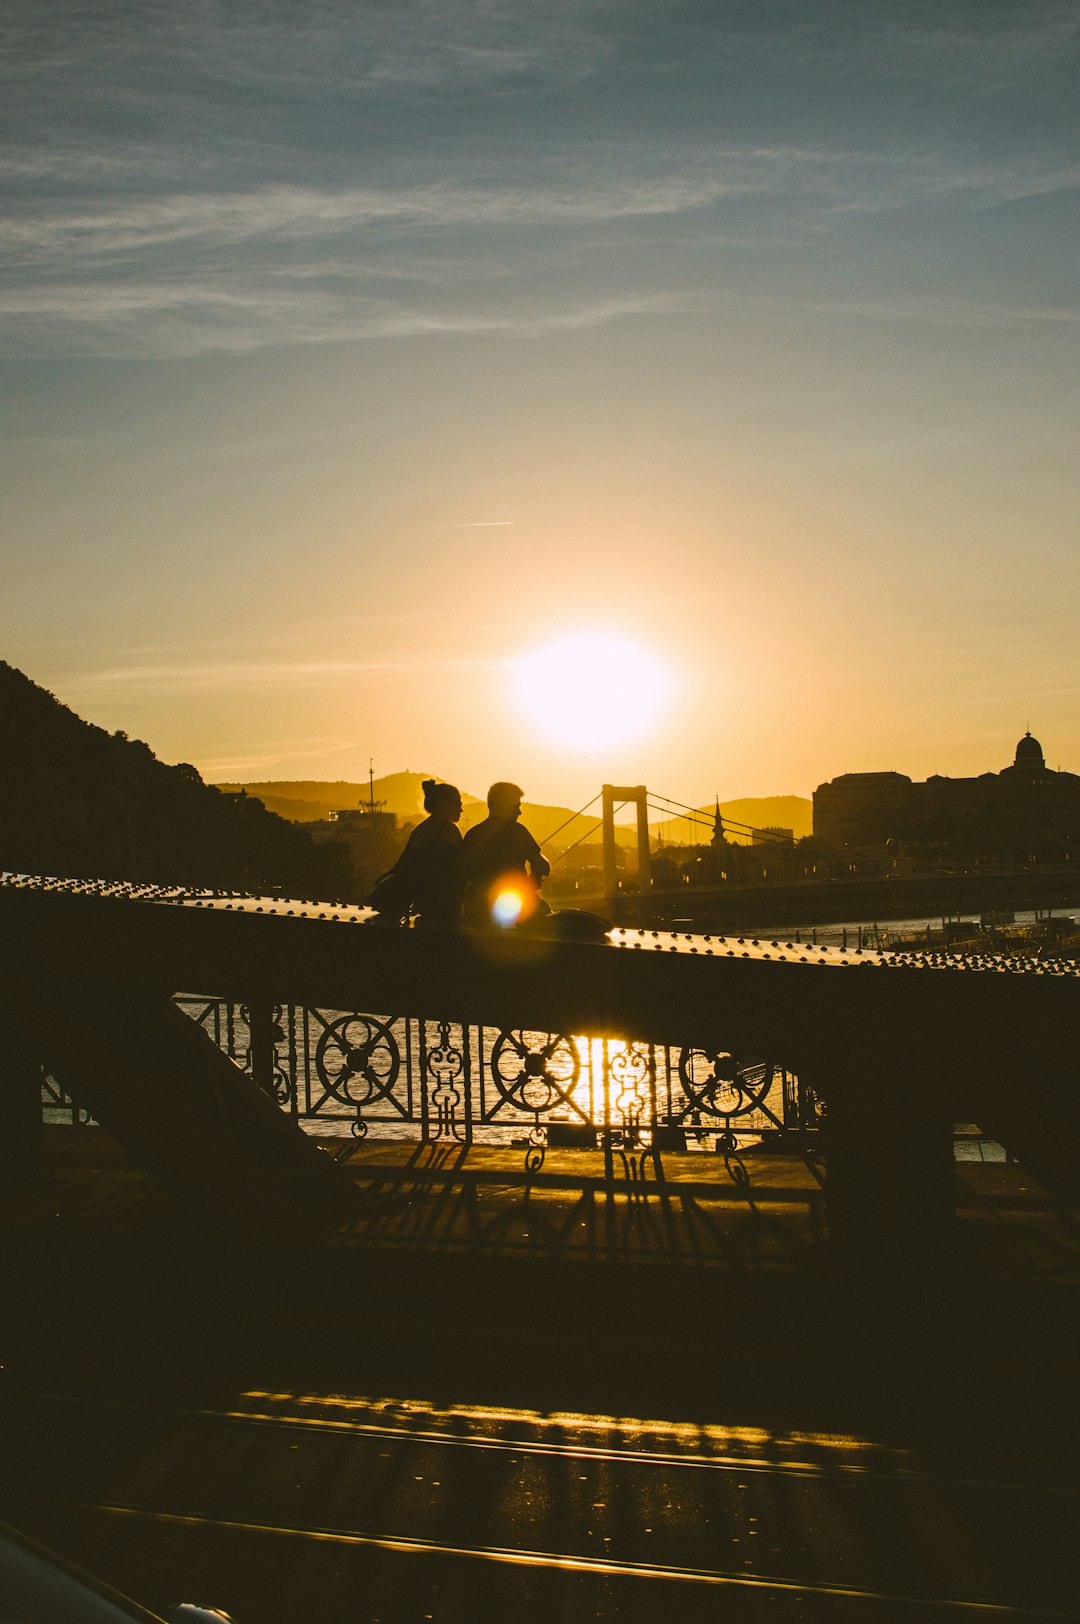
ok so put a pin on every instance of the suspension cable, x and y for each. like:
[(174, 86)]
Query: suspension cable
[(586, 835), (697, 814), (691, 815), (665, 815), (846, 853), (569, 821)]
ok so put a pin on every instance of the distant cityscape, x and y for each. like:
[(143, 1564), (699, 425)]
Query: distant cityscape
[(858, 825), (1025, 813), (96, 804)]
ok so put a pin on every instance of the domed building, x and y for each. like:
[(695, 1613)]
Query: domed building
[(1029, 757), (1023, 813)]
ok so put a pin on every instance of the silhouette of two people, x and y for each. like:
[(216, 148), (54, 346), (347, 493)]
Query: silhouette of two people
[(491, 877)]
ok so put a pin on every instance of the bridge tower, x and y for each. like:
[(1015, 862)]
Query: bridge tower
[(639, 795)]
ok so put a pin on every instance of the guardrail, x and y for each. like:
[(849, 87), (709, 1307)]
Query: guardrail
[(644, 1033), (411, 1078)]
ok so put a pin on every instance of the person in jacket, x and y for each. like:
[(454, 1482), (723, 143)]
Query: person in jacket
[(502, 866), (426, 880)]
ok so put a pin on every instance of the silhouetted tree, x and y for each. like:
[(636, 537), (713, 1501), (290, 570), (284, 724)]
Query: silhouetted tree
[(83, 802)]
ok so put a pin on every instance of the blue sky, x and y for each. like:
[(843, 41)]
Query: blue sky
[(351, 352)]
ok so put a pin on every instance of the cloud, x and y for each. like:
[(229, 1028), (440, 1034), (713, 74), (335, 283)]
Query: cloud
[(297, 213), (230, 177), (272, 754), (196, 273), (980, 49), (217, 675), (186, 319), (81, 234), (949, 312), (921, 178), (153, 61)]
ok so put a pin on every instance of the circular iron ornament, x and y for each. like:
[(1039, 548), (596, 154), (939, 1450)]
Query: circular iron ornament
[(534, 1071), (722, 1086), (357, 1060)]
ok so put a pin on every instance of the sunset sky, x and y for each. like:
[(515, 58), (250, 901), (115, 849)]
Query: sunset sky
[(354, 355)]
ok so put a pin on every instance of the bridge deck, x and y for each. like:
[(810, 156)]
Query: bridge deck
[(415, 1421), (763, 1211)]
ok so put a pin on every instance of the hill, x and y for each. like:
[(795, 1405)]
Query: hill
[(794, 812), (309, 800), (85, 803)]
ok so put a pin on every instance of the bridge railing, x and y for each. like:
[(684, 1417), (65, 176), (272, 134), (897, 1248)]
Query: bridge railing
[(402, 1077), (898, 1047)]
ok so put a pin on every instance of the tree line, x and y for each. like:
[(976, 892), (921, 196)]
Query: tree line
[(82, 802)]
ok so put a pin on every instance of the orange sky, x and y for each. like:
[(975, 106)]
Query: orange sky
[(346, 365)]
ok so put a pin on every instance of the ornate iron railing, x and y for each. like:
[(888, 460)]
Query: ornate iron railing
[(900, 1047), (436, 1080)]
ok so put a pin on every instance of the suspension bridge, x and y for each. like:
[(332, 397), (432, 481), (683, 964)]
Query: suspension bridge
[(781, 887)]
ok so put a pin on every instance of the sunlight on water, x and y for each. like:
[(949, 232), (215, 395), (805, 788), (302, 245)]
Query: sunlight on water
[(329, 1064)]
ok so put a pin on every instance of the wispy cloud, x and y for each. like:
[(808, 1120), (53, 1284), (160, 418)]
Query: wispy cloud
[(943, 311), (977, 49), (273, 753), (333, 46), (196, 273), (261, 174), (919, 178), (82, 235), (299, 213), (202, 677), (174, 320)]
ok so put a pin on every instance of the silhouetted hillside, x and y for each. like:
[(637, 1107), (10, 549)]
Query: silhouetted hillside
[(308, 801), (80, 801)]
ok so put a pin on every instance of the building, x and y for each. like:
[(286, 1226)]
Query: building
[(368, 843), (772, 835), (1024, 813)]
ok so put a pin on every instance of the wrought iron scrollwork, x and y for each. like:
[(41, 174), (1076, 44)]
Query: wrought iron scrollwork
[(452, 1081), (721, 1088), (281, 1085), (446, 1076), (631, 1072), (358, 1061), (536, 1149)]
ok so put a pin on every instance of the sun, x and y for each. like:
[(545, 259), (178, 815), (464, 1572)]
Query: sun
[(592, 690)]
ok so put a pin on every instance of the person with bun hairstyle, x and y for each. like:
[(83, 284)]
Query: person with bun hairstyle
[(425, 880)]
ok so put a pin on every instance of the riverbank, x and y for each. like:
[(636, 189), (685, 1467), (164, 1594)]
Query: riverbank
[(750, 909)]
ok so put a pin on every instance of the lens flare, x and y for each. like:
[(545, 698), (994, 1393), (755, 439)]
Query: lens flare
[(506, 909)]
